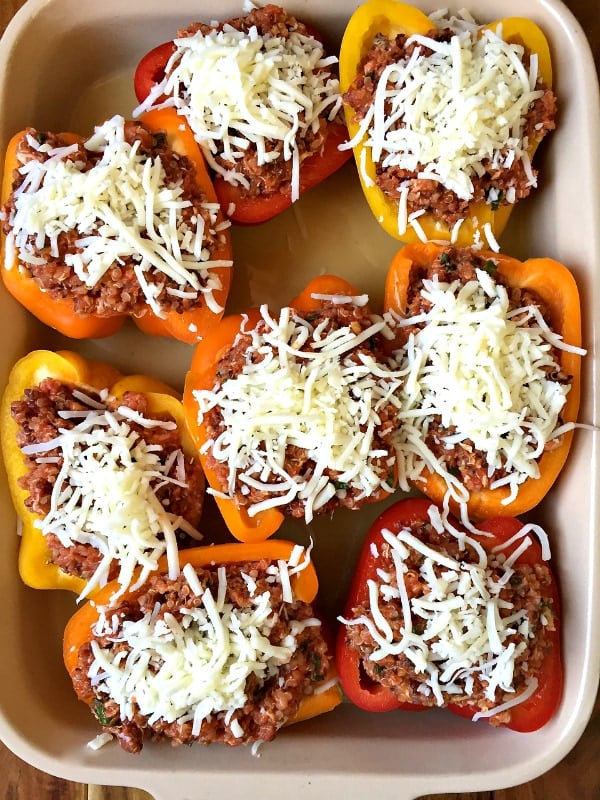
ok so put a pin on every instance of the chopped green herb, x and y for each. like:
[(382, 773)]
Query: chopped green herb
[(341, 485), (100, 713), (495, 204), (317, 674)]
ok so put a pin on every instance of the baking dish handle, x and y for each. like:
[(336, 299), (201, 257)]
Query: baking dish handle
[(310, 787)]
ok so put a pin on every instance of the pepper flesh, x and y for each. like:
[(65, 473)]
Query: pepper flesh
[(59, 313), (557, 288), (391, 18), (202, 375), (304, 586), (372, 696), (35, 565)]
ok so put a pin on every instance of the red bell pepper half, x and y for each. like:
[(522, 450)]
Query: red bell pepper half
[(370, 695), (151, 69), (235, 203)]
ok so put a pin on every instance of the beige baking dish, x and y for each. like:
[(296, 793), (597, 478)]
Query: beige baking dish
[(66, 64)]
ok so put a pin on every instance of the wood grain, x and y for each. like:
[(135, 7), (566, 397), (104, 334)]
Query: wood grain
[(577, 777)]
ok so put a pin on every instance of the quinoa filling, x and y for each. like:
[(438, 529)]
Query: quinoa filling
[(230, 696), (81, 548)]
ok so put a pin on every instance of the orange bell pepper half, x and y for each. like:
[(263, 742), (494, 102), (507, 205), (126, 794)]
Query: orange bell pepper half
[(202, 375), (304, 584), (391, 18), (59, 313), (556, 287), (35, 565)]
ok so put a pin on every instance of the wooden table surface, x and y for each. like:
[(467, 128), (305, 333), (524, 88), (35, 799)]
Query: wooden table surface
[(577, 777)]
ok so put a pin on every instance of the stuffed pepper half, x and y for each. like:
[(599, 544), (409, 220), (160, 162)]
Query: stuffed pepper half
[(101, 470), (262, 98), (438, 616), (293, 413), (122, 224), (489, 347), (229, 651), (445, 116)]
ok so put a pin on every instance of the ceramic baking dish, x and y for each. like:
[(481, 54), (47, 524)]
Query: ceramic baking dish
[(67, 64)]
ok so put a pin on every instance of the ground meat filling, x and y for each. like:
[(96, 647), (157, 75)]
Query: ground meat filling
[(265, 179), (460, 264), (38, 416), (119, 291), (269, 704), (298, 462), (430, 195), (527, 589)]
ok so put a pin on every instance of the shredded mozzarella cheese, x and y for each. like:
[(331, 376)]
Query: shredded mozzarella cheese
[(446, 112)]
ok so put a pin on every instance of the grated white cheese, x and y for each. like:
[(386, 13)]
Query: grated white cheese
[(485, 373), (237, 89), (468, 630), (121, 209), (105, 496), (320, 399), (195, 666), (100, 741)]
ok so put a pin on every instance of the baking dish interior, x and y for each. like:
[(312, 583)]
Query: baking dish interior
[(67, 64)]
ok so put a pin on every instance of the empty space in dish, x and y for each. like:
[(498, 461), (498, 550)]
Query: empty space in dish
[(66, 65)]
